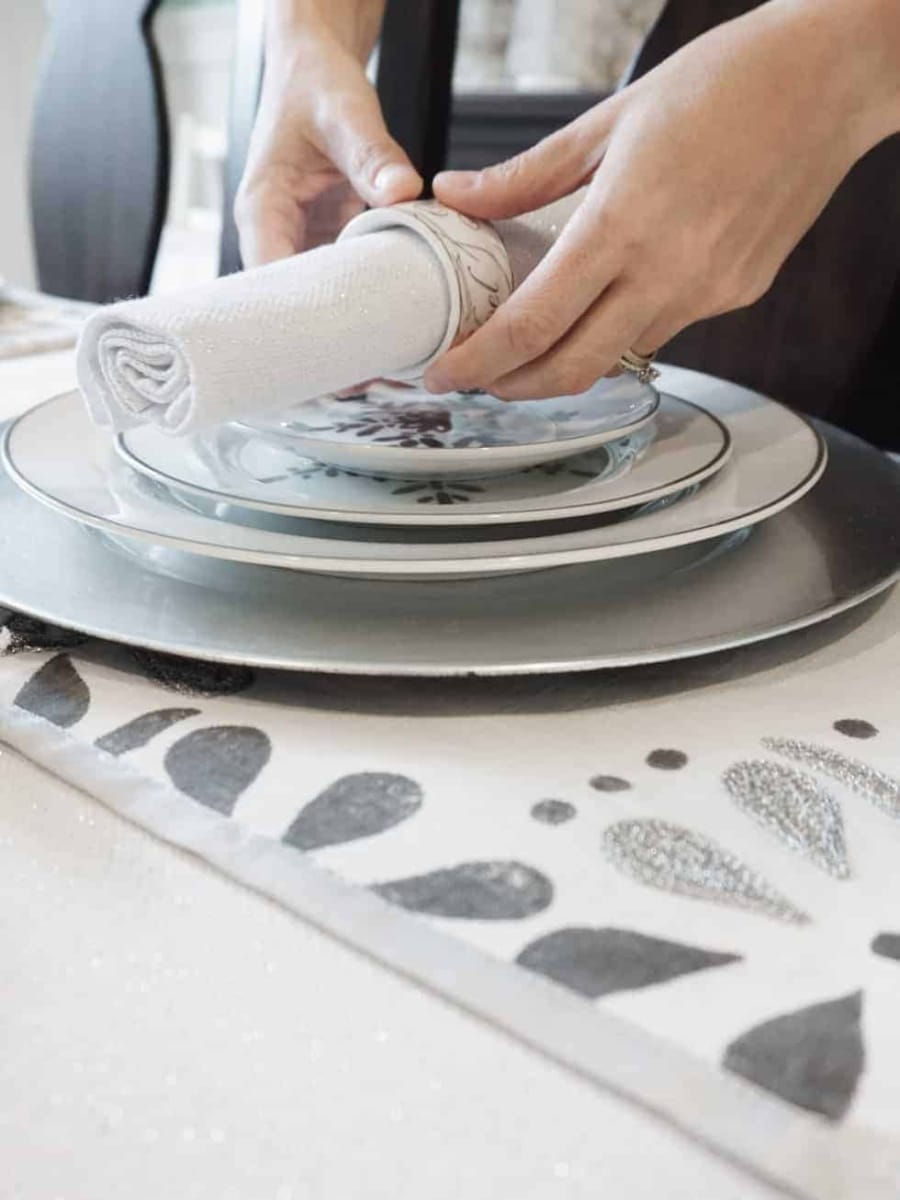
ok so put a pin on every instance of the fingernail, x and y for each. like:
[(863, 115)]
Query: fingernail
[(437, 382), (459, 179), (393, 175)]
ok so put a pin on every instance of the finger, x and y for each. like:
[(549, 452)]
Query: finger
[(558, 291), (552, 168), (355, 138), (590, 350), (328, 213)]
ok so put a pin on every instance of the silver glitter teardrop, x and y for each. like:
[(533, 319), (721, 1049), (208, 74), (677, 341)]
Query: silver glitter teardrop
[(881, 789), (679, 860), (804, 816)]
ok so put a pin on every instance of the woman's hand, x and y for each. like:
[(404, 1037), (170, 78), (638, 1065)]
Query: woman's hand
[(320, 147), (704, 175)]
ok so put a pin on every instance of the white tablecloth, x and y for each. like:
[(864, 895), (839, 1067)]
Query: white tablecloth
[(170, 1033)]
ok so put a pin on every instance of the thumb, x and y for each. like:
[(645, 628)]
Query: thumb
[(555, 166), (357, 141)]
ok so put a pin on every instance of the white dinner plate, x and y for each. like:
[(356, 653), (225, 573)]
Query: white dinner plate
[(682, 446), (831, 550), (57, 455), (396, 429)]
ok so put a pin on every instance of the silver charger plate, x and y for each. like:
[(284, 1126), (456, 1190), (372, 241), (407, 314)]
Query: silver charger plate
[(835, 548), (57, 455), (401, 430), (233, 465)]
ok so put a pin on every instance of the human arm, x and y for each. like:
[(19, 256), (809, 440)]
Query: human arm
[(704, 174), (320, 148)]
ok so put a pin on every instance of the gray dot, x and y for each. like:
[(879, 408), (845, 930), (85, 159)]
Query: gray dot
[(667, 760), (855, 727), (609, 783), (553, 812)]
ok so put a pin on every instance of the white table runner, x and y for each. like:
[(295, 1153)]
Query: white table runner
[(542, 821)]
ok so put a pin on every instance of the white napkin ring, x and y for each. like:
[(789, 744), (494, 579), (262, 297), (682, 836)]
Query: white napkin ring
[(471, 253)]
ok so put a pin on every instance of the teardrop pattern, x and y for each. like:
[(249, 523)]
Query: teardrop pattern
[(56, 692), (482, 891), (802, 815), (598, 962), (676, 859), (215, 765), (813, 1058), (355, 806), (134, 734), (876, 786)]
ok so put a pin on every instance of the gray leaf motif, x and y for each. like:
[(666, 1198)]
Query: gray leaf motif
[(56, 692), (481, 891), (355, 806), (215, 765), (20, 633), (813, 1057), (676, 859), (875, 786), (887, 945), (191, 676), (142, 729), (802, 815), (597, 962)]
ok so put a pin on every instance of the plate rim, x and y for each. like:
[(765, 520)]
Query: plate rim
[(433, 453), (435, 669), (438, 518), (507, 563)]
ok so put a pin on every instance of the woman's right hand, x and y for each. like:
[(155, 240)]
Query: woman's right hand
[(320, 148)]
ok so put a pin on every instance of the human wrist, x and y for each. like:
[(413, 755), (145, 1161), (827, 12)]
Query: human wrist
[(292, 26), (859, 40)]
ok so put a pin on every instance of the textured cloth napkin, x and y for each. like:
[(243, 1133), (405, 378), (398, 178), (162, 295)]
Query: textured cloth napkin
[(380, 304), (264, 338)]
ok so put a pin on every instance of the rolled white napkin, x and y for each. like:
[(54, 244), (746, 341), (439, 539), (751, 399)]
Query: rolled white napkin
[(396, 290)]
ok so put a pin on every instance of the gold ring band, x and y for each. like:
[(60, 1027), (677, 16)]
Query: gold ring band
[(639, 365)]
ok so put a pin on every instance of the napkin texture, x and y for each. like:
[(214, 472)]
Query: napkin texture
[(265, 338), (382, 304)]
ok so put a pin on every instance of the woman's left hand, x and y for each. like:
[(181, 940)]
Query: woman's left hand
[(704, 175)]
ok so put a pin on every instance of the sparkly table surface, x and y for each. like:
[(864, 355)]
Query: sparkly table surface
[(170, 1032)]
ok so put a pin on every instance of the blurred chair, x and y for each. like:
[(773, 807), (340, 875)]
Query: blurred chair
[(100, 141)]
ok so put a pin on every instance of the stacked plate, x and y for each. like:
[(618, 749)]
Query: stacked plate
[(242, 544)]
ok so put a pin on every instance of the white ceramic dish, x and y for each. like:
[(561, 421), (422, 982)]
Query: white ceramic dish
[(404, 431), (837, 546), (682, 446), (59, 457)]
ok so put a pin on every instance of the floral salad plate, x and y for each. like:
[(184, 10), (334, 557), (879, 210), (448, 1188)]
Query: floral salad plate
[(402, 430), (242, 468)]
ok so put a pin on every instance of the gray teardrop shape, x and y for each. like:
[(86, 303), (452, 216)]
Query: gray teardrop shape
[(192, 676), (20, 633), (790, 803), (481, 891), (877, 786), (813, 1057), (215, 765), (142, 729), (887, 945), (597, 962), (56, 692), (354, 806), (677, 859)]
